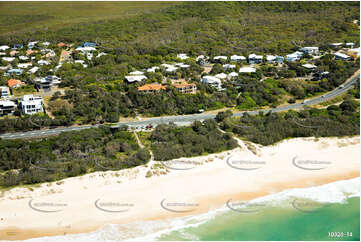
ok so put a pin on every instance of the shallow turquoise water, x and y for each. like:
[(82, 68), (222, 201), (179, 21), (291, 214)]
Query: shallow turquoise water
[(279, 223)]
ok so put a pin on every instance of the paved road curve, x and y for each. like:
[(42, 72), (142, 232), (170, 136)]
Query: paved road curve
[(185, 119)]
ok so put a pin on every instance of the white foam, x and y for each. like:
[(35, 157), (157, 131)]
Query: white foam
[(336, 192)]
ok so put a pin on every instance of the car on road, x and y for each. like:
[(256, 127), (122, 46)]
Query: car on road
[(341, 86), (323, 96)]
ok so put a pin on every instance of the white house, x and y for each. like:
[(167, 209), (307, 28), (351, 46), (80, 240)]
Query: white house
[(153, 69), (4, 47), (255, 59), (182, 56), (137, 78), (31, 104), (221, 76), (232, 75), (270, 58), (229, 66), (101, 54), (34, 69), (309, 66), (334, 45), (212, 81), (4, 91), (82, 63), (247, 69), (23, 58), (295, 56), (43, 62), (46, 43), (238, 58), (85, 49), (136, 73), (32, 44), (8, 59), (350, 45), (340, 56), (25, 65), (310, 50)]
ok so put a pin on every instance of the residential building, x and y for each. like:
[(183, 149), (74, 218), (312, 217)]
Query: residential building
[(310, 50), (182, 56), (25, 65), (7, 107), (247, 69), (61, 44), (13, 83), (4, 92), (212, 81), (238, 58), (46, 83), (341, 56), (185, 87), (32, 44), (153, 69), (151, 88), (136, 73), (43, 62), (29, 52), (309, 66), (138, 78), (31, 104), (255, 59), (295, 56), (280, 59), (8, 59), (271, 59), (232, 75), (15, 71), (18, 46), (229, 66), (13, 53), (336, 45), (221, 76), (350, 45), (23, 58), (4, 47), (89, 44), (33, 70)]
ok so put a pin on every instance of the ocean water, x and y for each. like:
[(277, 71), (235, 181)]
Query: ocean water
[(328, 212)]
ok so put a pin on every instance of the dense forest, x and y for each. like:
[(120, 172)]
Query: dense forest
[(213, 28), (266, 129), (69, 154), (170, 141)]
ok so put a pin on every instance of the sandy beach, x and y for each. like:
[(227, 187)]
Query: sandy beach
[(86, 203)]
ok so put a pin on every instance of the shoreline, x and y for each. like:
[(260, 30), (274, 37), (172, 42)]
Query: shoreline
[(203, 185)]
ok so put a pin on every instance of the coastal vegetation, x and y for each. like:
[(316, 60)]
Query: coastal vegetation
[(269, 128)]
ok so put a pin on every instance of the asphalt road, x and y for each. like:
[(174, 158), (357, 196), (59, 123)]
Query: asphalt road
[(184, 119)]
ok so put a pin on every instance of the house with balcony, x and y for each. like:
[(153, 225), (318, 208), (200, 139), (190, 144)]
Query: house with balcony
[(31, 104), (185, 87)]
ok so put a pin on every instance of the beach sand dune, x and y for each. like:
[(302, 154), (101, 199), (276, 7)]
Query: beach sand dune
[(83, 204)]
